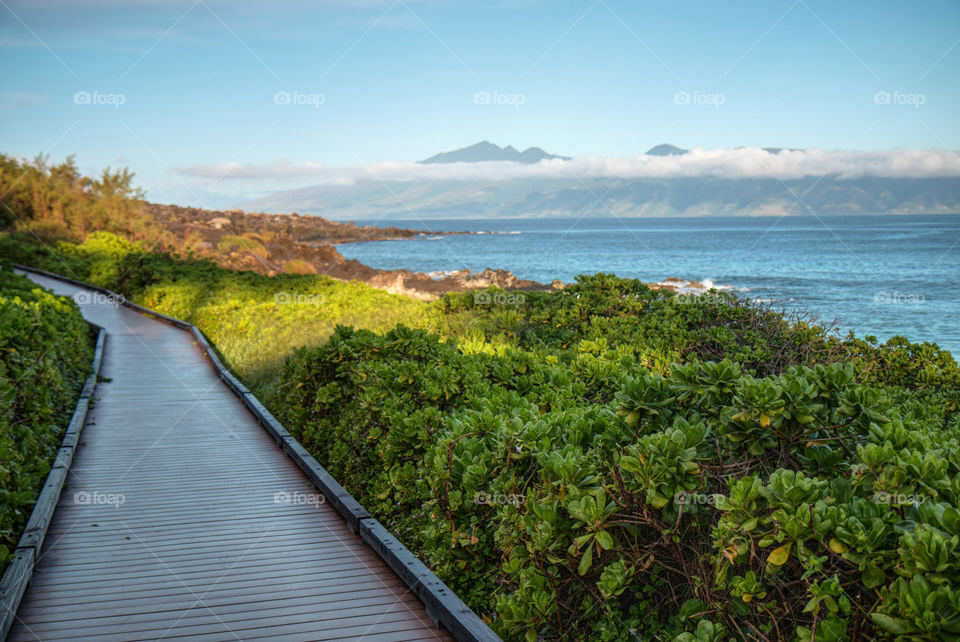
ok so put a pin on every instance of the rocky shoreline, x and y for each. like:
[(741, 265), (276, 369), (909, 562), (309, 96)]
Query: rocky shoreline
[(277, 243)]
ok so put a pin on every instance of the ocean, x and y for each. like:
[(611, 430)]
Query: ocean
[(875, 275)]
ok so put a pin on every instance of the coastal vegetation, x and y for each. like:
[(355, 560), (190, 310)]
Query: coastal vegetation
[(605, 462), (45, 353), (600, 479)]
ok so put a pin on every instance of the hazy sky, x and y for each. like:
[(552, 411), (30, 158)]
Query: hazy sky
[(165, 85)]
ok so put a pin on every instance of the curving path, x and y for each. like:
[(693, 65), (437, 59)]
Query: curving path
[(181, 519)]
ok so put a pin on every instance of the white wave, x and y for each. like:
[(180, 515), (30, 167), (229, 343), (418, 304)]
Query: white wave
[(710, 285)]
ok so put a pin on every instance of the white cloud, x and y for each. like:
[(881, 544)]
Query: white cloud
[(747, 162), (281, 169)]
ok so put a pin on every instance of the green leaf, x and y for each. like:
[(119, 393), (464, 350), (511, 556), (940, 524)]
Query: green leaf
[(780, 555), (605, 540), (872, 576), (586, 561), (890, 624), (837, 546), (658, 500)]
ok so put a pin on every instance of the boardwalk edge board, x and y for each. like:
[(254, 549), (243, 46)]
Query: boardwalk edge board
[(441, 604), (20, 569)]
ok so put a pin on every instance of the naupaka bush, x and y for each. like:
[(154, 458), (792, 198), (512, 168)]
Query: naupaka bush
[(46, 350), (707, 503)]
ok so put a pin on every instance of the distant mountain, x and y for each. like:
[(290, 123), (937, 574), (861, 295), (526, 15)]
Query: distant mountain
[(605, 196), (687, 196), (666, 150), (487, 151)]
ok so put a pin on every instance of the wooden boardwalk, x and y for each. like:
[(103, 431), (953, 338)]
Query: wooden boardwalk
[(181, 519)]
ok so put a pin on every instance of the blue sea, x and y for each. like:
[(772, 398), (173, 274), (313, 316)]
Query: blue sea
[(876, 275)]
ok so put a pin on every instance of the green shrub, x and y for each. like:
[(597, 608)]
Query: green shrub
[(45, 356), (558, 509)]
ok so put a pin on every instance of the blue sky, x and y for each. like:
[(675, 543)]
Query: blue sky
[(384, 80)]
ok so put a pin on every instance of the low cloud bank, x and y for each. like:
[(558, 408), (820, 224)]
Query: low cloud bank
[(747, 162)]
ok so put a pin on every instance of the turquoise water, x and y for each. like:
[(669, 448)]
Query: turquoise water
[(877, 275)]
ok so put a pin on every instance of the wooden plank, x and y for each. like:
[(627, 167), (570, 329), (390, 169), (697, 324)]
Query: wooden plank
[(36, 528), (345, 627), (159, 535), (316, 628), (327, 558), (279, 581), (169, 545), (13, 585), (196, 609), (132, 605), (91, 558)]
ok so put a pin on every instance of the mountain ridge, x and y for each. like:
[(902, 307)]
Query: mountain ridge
[(665, 197), (666, 149), (485, 151)]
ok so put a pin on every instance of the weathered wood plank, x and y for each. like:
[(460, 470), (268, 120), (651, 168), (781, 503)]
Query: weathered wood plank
[(13, 585), (156, 602)]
